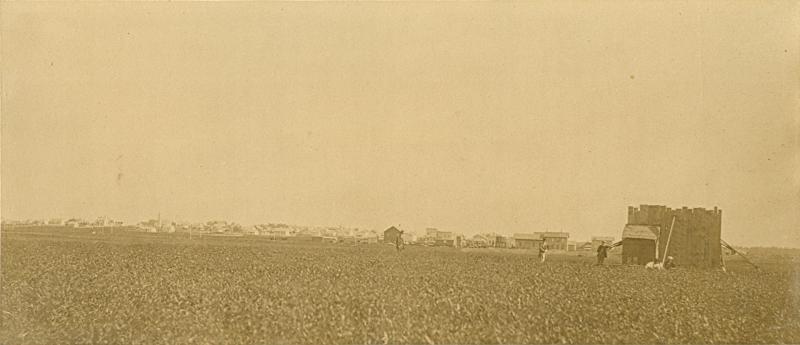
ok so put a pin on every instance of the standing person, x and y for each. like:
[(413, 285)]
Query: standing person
[(399, 241), (542, 251), (602, 253)]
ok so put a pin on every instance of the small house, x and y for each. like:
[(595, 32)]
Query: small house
[(391, 234), (554, 240)]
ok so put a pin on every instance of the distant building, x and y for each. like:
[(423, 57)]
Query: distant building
[(367, 240), (504, 242), (479, 241), (409, 237), (250, 230), (168, 228), (527, 241), (459, 241), (105, 222), (444, 235), (55, 221), (276, 233), (304, 238), (554, 240), (490, 239), (598, 240), (217, 227), (572, 246), (445, 238), (390, 235), (431, 232), (346, 239), (196, 228)]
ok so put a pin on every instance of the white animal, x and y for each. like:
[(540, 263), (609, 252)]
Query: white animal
[(654, 266), (659, 265)]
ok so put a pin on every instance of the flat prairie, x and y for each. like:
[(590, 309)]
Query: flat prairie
[(119, 287)]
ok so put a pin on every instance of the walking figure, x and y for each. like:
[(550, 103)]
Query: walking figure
[(602, 253), (542, 251)]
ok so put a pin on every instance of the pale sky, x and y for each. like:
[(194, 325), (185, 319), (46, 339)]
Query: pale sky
[(469, 117)]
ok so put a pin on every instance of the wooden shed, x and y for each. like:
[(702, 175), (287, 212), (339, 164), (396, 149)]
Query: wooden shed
[(639, 244)]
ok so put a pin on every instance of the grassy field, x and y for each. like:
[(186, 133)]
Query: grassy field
[(71, 287)]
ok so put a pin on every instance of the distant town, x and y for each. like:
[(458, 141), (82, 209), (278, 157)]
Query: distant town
[(279, 231)]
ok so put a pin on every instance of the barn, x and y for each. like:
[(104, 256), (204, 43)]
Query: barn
[(690, 236)]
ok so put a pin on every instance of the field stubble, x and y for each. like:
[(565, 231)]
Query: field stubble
[(120, 289)]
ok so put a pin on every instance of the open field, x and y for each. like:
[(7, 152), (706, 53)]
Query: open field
[(131, 288)]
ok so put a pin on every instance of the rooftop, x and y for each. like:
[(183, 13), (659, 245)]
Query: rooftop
[(646, 232), (553, 234), (534, 236)]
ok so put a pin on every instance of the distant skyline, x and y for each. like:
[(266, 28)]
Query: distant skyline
[(467, 117)]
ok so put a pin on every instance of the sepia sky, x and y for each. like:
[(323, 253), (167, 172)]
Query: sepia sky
[(470, 117)]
